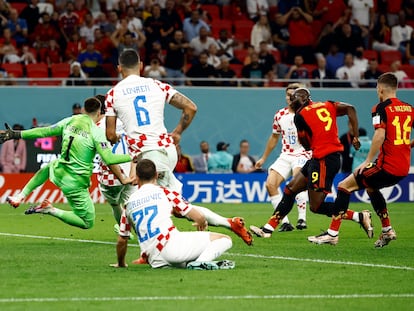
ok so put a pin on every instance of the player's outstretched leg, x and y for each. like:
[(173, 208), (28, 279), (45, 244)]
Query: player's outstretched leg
[(235, 224), (238, 227), (67, 217), (38, 179), (44, 208)]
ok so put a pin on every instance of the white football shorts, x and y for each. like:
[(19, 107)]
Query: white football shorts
[(285, 164), (181, 248)]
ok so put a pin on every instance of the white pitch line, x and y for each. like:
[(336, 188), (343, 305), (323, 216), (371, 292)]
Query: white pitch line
[(197, 298), (336, 262), (58, 239)]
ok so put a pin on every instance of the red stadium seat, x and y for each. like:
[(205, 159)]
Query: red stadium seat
[(187, 67), (110, 69), (39, 70), (384, 68), (410, 23), (19, 6), (409, 70), (60, 70), (227, 12), (309, 68), (216, 26), (237, 69), (242, 30), (388, 57), (240, 54), (16, 70), (276, 55), (370, 54), (232, 12), (213, 11)]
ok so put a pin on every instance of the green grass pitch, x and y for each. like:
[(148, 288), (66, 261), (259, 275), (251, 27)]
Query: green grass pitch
[(47, 265)]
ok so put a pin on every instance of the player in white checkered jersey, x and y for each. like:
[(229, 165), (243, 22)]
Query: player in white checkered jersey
[(140, 103), (115, 193), (293, 156), (149, 211)]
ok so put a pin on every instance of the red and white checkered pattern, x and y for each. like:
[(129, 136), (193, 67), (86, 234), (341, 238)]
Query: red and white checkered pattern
[(162, 239), (283, 124), (124, 226), (138, 145), (109, 100), (105, 175), (180, 205)]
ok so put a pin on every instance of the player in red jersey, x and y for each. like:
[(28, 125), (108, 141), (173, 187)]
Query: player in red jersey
[(393, 121), (317, 131)]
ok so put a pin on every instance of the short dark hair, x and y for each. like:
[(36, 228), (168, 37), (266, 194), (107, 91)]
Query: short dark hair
[(146, 170), (388, 79), (129, 58), (92, 104), (293, 86), (18, 127), (243, 141), (101, 99)]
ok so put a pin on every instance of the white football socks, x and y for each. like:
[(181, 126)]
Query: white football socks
[(212, 218)]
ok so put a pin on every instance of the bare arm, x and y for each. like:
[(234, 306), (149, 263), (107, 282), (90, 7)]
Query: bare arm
[(199, 219), (371, 19), (349, 110), (116, 169), (306, 16), (284, 18), (270, 145), (111, 130), (189, 109), (115, 38)]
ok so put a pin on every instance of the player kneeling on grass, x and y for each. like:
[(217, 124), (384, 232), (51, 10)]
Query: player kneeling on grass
[(149, 210)]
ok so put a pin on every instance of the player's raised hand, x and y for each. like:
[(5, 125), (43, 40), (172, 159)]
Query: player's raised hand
[(9, 134)]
